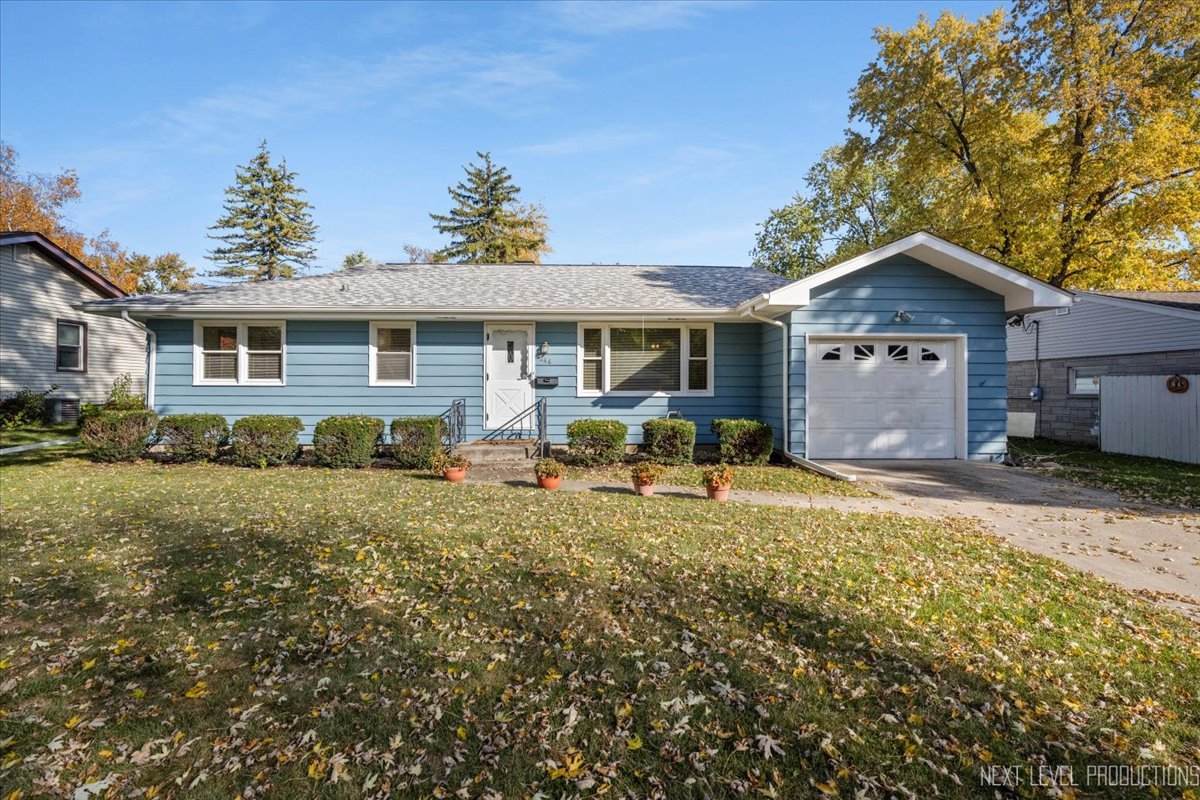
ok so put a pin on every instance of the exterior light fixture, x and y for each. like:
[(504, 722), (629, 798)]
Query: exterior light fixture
[(902, 316), (544, 352)]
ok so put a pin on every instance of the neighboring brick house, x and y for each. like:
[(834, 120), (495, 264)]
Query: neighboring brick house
[(1111, 333)]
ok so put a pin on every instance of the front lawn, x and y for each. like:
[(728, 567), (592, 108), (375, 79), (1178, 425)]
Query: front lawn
[(33, 434), (767, 478), (205, 631), (1133, 477)]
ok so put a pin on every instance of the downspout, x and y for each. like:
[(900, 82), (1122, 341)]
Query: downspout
[(786, 375), (151, 353)]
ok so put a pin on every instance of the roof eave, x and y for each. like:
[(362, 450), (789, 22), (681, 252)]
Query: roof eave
[(141, 311), (1022, 293)]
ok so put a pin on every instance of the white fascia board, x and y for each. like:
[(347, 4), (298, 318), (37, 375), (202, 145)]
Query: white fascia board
[(445, 314), (1022, 293)]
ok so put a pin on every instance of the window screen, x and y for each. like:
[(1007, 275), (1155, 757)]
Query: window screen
[(593, 360), (645, 360), (393, 354), (220, 352)]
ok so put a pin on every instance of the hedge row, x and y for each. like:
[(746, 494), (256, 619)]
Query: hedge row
[(260, 440), (350, 441)]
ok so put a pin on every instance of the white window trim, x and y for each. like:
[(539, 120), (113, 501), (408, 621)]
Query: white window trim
[(373, 353), (685, 356), (198, 327)]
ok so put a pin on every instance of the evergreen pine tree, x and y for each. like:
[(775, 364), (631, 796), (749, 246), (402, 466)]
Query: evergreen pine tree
[(267, 231), (487, 224)]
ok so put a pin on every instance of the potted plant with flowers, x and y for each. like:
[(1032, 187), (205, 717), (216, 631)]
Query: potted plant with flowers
[(549, 473), (452, 467), (645, 475), (717, 480)]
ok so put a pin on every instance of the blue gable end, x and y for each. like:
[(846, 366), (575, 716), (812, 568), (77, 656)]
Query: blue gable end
[(866, 302), (327, 364)]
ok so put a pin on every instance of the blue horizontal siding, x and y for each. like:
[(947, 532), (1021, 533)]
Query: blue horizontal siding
[(327, 366), (865, 302), (327, 375), (736, 385)]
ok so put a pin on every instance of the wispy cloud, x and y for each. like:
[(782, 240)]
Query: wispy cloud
[(420, 78), (618, 16), (596, 141)]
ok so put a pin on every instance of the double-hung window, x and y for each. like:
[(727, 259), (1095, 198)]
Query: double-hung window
[(393, 354), (231, 353), (70, 346), (651, 359)]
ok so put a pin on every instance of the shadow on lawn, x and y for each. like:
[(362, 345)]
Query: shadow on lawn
[(191, 567)]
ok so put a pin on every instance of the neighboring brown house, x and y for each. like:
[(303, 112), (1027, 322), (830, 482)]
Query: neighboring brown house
[(1110, 333), (46, 341)]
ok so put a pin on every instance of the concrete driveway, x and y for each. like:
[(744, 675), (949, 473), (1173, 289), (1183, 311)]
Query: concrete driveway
[(1152, 550)]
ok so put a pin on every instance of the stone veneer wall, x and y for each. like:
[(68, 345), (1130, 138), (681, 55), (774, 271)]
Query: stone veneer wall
[(1075, 418)]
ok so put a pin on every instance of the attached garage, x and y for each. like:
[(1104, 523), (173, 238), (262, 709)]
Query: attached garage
[(883, 397), (898, 353)]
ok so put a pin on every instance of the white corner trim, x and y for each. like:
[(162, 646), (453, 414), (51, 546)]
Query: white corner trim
[(373, 352), (1021, 292)]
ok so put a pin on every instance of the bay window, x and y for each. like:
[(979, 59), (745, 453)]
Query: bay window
[(230, 353), (652, 359)]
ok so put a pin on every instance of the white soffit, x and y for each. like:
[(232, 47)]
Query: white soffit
[(1021, 292)]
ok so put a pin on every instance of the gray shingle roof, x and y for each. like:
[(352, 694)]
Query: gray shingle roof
[(1185, 299), (482, 287)]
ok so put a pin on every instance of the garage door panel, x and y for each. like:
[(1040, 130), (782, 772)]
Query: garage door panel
[(882, 408)]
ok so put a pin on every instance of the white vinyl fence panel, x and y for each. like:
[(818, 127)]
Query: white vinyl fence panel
[(1139, 416)]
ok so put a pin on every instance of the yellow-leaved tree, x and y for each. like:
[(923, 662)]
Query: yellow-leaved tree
[(1062, 139)]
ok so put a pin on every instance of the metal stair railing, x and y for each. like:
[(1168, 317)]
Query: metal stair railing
[(532, 418), (454, 424)]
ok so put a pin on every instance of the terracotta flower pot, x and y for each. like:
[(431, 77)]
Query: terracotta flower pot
[(717, 491), (644, 489), (455, 474), (550, 482)]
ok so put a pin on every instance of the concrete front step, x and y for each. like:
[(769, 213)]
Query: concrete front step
[(509, 451)]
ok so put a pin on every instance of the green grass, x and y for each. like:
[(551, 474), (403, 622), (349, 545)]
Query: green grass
[(768, 478), (202, 631), (1133, 477), (32, 434)]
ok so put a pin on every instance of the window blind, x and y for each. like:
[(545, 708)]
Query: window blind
[(644, 360)]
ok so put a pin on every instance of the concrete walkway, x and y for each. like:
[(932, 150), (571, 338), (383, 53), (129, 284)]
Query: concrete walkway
[(1151, 550)]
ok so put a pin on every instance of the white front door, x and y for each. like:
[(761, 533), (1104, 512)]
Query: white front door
[(508, 374), (883, 398)]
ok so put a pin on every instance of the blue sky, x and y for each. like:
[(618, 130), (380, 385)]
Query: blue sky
[(651, 133)]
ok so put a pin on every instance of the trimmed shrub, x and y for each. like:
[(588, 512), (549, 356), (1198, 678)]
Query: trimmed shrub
[(416, 441), (117, 435), (264, 440), (744, 441), (346, 441), (592, 442), (192, 437), (669, 440)]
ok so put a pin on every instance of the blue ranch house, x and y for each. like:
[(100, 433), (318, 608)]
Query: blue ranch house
[(897, 353)]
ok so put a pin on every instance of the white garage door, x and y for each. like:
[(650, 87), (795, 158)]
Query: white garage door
[(881, 399)]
